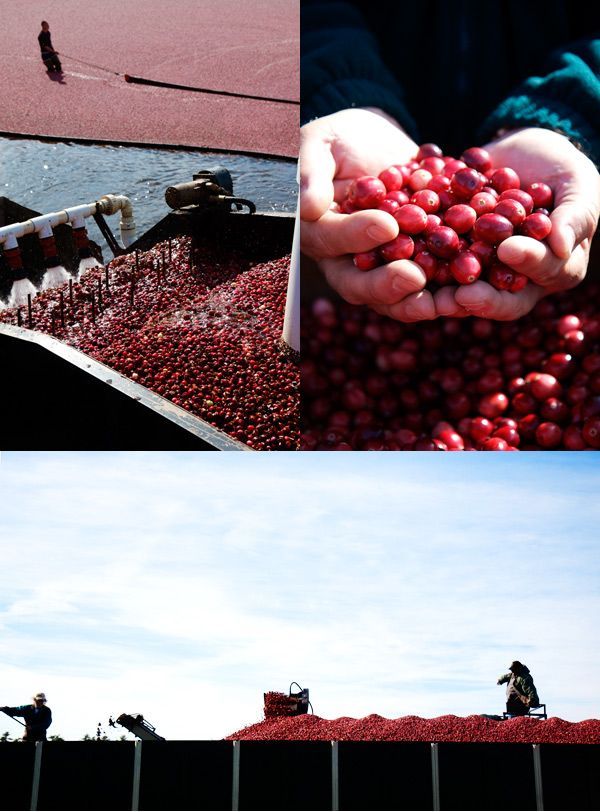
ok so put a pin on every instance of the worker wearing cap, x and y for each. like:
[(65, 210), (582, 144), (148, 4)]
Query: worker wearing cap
[(521, 694), (49, 55), (38, 718)]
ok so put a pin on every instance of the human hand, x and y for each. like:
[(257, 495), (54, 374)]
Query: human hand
[(558, 263), (334, 150)]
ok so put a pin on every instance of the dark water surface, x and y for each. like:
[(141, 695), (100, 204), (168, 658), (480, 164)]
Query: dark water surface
[(53, 176)]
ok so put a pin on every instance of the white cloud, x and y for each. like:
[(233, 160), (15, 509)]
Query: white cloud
[(140, 582)]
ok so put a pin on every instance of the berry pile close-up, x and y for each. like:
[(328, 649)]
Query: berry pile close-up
[(414, 728), (199, 327), (452, 215), (372, 383)]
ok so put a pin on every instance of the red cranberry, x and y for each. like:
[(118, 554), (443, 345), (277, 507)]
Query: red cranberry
[(466, 183), (494, 444), (573, 439), (367, 260), (389, 205), (366, 192), (505, 178), (483, 203), (393, 178), (522, 197), (541, 194), (428, 151), (548, 435), (419, 179), (477, 158), (493, 228), (537, 226), (402, 247), (544, 386), (443, 242), (399, 196), (461, 218), (465, 268), (439, 183), (501, 276), (428, 263), (512, 210), (591, 432), (433, 164), (427, 200), (493, 404), (411, 219)]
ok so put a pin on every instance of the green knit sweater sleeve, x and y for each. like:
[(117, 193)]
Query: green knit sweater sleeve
[(565, 98), (341, 65)]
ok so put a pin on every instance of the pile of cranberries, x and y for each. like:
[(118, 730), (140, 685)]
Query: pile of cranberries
[(199, 326), (452, 216), (414, 728), (278, 704), (372, 383)]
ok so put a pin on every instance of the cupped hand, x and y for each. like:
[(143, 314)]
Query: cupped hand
[(334, 150), (558, 263)]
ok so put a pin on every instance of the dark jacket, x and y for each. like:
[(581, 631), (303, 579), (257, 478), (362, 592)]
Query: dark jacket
[(521, 685), (461, 70), (37, 720)]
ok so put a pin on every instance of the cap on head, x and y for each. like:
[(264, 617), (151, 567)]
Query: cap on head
[(40, 697), (515, 666)]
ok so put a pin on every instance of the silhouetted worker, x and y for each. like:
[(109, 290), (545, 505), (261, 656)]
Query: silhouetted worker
[(38, 718), (49, 55), (521, 694)]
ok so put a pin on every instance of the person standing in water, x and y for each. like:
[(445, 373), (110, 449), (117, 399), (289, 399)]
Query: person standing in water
[(49, 55)]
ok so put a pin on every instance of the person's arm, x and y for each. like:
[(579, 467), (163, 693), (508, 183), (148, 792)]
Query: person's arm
[(504, 678), (18, 711), (565, 98), (341, 65)]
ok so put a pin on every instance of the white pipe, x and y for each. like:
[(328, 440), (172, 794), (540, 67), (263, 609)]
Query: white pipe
[(111, 204), (291, 319), (44, 223)]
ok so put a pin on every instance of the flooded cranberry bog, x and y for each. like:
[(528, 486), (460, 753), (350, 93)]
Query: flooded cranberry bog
[(174, 343), (311, 763)]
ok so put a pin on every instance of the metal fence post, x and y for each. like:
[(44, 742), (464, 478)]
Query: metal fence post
[(37, 771), (235, 784), (435, 775), (335, 775), (537, 772), (137, 772)]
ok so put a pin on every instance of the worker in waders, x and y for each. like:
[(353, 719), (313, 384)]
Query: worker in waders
[(38, 718), (49, 55), (521, 694)]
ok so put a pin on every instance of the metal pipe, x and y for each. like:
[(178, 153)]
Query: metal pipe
[(537, 773), (37, 771), (335, 775), (235, 784), (137, 772), (435, 775)]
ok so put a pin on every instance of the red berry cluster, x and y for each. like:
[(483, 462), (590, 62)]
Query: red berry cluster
[(452, 216), (371, 383), (278, 704), (414, 728), (201, 328)]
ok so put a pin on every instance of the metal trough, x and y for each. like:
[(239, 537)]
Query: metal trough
[(56, 397)]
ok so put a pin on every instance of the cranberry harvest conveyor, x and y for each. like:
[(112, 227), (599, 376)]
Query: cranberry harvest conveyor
[(56, 396)]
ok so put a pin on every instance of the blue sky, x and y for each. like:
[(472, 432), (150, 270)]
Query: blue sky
[(386, 583)]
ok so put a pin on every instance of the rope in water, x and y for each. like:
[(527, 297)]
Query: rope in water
[(170, 85)]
